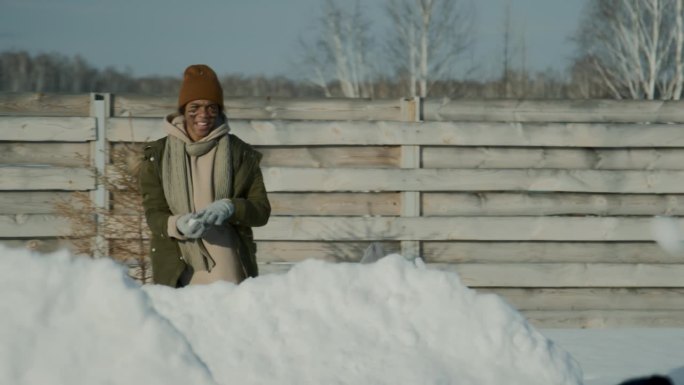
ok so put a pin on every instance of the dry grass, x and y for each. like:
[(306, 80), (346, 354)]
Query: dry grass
[(120, 227)]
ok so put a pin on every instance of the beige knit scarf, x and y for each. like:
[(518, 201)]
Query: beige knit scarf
[(177, 182)]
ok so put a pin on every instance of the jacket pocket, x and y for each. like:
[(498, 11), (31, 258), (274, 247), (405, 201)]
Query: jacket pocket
[(167, 262)]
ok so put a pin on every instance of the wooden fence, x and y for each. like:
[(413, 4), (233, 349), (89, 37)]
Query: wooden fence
[(547, 203)]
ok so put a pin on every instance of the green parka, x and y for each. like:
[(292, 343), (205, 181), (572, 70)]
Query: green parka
[(252, 209)]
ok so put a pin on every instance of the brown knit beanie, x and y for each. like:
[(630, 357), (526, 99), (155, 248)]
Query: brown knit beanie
[(200, 83)]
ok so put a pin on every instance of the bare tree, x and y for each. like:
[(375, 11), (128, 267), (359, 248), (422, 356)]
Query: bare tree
[(429, 36), (507, 52), (585, 82), (339, 52), (635, 46), (675, 90), (21, 72)]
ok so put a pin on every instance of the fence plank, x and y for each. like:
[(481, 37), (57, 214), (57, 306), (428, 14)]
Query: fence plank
[(46, 129), (554, 110), (307, 203), (591, 298), (470, 252), (474, 252), (38, 245), (460, 134), (134, 129), (33, 226), (384, 133), (269, 108), (45, 178), (579, 319), (270, 252), (536, 204), (459, 228), (358, 229), (55, 154), (569, 274), (32, 104), (293, 251), (476, 204), (290, 252), (555, 275), (564, 158), (274, 268), (30, 202), (143, 105), (335, 204), (540, 252), (284, 179), (329, 157)]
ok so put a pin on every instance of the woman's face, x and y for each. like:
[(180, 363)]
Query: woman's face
[(201, 117)]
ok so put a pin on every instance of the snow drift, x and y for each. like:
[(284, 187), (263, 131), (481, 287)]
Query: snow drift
[(71, 320)]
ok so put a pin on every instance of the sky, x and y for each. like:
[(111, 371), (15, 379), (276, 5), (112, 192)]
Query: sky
[(255, 37), (74, 320)]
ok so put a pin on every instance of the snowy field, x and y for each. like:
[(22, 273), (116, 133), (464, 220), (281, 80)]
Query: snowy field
[(77, 321)]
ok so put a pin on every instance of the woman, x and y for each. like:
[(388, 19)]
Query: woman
[(202, 191)]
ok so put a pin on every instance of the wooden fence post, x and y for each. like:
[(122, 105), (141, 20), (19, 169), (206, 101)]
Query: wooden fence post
[(410, 158), (100, 107)]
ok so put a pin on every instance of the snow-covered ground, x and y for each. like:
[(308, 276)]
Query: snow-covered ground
[(609, 356), (69, 320)]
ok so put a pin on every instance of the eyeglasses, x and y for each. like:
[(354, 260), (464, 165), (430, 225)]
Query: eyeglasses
[(211, 109)]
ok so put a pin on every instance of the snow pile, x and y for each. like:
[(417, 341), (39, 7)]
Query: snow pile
[(76, 321)]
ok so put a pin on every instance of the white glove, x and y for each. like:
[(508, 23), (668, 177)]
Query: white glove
[(190, 227), (217, 212)]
